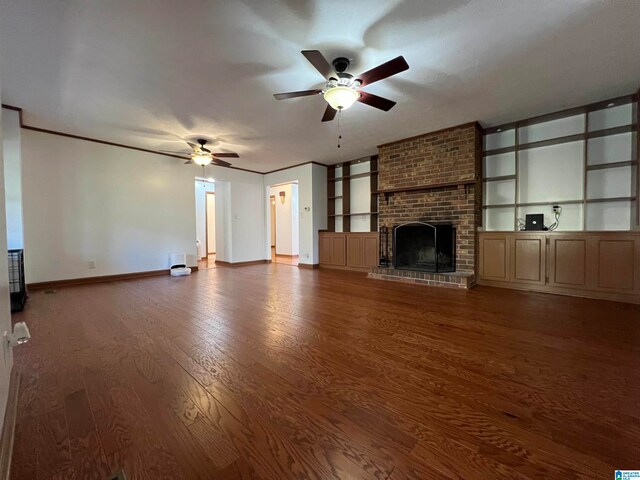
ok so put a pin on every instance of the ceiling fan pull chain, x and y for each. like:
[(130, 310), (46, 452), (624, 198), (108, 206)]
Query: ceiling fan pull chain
[(339, 127)]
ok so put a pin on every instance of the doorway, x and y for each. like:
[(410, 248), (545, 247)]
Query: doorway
[(284, 221), (206, 222)]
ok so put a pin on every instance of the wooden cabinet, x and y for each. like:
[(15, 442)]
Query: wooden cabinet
[(615, 269), (332, 249), (371, 251), (568, 256), (591, 264), (356, 251), (528, 259), (494, 257)]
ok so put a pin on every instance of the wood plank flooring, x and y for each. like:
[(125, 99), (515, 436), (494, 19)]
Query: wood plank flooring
[(276, 373), (284, 259)]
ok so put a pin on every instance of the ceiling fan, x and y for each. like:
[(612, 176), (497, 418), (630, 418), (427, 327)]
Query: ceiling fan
[(343, 91), (202, 156)]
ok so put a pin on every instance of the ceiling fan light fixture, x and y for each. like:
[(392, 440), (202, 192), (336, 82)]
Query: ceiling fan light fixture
[(341, 97), (201, 159)]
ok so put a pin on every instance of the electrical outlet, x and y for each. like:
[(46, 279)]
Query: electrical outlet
[(91, 264), (555, 208)]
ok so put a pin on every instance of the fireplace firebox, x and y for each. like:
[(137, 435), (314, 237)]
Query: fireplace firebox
[(424, 247)]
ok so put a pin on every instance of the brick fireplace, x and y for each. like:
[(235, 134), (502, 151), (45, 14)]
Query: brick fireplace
[(433, 178)]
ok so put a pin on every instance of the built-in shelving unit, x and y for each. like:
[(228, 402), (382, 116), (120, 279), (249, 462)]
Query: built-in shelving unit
[(352, 196), (584, 159)]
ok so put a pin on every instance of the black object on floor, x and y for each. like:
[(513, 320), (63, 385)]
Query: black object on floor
[(17, 285)]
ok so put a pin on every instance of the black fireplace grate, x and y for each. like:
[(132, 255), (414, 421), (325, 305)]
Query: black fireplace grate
[(424, 247)]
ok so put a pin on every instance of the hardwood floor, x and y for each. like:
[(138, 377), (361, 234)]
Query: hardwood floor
[(284, 259), (208, 262), (275, 373)]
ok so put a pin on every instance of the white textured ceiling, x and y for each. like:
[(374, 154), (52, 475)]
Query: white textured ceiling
[(147, 73)]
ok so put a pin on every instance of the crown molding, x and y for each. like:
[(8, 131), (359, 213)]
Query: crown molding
[(104, 142)]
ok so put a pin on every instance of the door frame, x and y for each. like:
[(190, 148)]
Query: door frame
[(272, 201), (206, 224)]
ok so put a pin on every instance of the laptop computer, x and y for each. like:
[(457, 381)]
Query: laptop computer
[(534, 221)]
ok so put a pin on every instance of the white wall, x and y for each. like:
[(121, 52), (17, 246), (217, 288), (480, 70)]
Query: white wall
[(84, 201), (201, 189), (240, 223), (210, 216), (11, 145), (223, 222), (126, 210), (5, 316), (287, 223), (248, 222), (312, 202)]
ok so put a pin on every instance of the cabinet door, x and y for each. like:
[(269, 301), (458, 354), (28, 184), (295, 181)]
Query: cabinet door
[(494, 257), (568, 262), (528, 259), (354, 251), (338, 250), (325, 249), (615, 264), (370, 251)]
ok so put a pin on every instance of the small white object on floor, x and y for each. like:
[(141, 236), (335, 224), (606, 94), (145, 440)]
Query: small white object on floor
[(179, 265), (180, 271)]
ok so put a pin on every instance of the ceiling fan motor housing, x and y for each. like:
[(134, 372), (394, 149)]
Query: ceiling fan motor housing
[(341, 64)]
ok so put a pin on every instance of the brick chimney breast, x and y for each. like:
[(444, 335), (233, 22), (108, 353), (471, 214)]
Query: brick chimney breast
[(446, 157)]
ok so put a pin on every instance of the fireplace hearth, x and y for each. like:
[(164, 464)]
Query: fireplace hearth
[(424, 247)]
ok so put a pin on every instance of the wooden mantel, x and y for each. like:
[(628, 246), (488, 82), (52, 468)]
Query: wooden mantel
[(431, 186)]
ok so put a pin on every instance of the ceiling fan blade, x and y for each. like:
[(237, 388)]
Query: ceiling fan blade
[(192, 144), (319, 62), (184, 154), (222, 163), (189, 162), (329, 114), (376, 101), (302, 93), (226, 155), (386, 70)]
